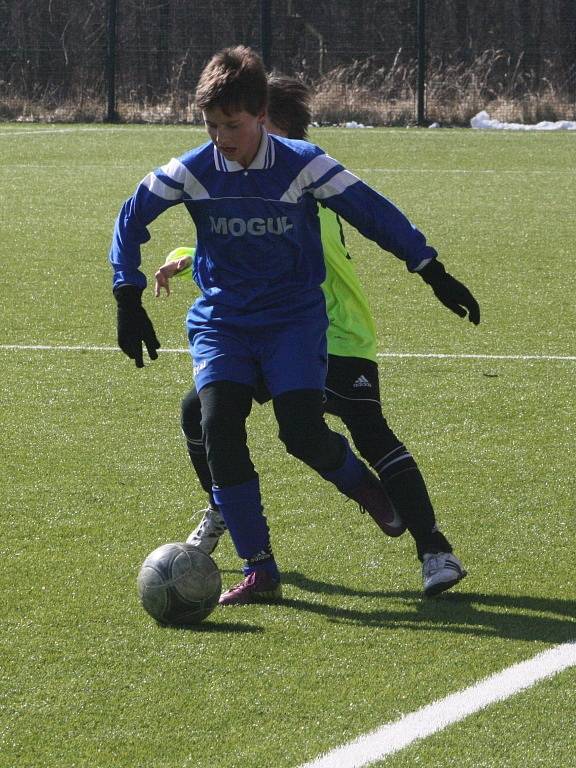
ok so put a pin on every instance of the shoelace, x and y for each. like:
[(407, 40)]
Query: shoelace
[(209, 523)]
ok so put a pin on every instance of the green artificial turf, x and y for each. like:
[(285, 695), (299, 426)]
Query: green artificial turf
[(95, 476)]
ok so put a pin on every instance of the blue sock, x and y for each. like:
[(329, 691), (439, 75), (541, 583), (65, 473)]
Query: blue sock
[(241, 508), (350, 474)]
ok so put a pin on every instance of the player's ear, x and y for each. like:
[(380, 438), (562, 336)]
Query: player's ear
[(261, 116)]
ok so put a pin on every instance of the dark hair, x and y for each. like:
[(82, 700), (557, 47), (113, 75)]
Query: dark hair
[(289, 105), (234, 79)]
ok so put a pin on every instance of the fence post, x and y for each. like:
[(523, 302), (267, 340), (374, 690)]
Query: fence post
[(266, 32), (421, 77), (111, 114)]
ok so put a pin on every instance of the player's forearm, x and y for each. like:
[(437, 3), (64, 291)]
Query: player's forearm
[(378, 219), (130, 232), (125, 250)]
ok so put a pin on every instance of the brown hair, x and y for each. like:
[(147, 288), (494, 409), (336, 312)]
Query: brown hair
[(234, 79), (289, 105)]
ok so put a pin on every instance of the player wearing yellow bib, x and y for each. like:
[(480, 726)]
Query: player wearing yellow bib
[(352, 383)]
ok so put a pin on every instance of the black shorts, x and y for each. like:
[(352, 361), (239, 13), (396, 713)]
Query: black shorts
[(351, 384)]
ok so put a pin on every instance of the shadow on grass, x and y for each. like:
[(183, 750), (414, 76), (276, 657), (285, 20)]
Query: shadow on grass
[(208, 627), (518, 617)]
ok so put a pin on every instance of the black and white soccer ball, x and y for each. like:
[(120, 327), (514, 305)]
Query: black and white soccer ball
[(179, 585)]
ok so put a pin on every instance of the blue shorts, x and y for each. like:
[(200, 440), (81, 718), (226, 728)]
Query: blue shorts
[(287, 353)]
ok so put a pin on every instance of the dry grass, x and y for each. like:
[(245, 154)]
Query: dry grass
[(367, 94), (496, 83), (454, 92), (362, 91)]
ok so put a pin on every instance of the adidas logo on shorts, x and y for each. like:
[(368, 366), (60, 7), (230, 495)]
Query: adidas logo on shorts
[(362, 381)]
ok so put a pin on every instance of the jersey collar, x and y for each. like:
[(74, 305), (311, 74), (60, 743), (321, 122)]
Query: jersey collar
[(264, 157)]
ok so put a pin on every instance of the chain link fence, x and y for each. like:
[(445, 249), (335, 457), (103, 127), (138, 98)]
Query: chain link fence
[(377, 62)]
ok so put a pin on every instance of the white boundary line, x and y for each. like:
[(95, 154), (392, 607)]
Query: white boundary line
[(430, 719), (472, 171), (465, 356), (183, 350), (44, 131), (41, 131), (434, 717), (96, 129)]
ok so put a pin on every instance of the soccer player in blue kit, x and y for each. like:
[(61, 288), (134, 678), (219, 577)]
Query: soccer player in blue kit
[(261, 314), (352, 390)]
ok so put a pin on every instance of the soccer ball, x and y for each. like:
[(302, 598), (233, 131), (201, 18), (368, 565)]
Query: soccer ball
[(179, 585)]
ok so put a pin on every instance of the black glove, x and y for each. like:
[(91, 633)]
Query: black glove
[(451, 292), (134, 325)]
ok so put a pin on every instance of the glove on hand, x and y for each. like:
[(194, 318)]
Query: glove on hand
[(451, 292), (134, 325)]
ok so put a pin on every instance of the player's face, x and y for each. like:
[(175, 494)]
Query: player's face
[(236, 135)]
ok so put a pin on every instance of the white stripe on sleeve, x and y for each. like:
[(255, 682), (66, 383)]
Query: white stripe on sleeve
[(336, 185), (157, 187), (308, 175), (182, 176)]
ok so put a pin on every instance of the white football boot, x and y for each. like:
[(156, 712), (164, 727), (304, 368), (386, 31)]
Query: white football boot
[(208, 531), (441, 571)]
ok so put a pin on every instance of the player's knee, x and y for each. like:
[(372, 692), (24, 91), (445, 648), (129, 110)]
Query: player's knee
[(223, 412), (302, 428), (191, 416), (226, 450), (219, 432), (302, 444), (314, 444)]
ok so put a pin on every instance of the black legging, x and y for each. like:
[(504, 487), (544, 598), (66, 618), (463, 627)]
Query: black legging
[(300, 434), (305, 434), (224, 407)]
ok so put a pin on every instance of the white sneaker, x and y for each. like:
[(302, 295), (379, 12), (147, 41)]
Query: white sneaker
[(441, 571), (208, 531)]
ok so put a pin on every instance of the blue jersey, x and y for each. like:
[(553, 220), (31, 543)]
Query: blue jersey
[(257, 229)]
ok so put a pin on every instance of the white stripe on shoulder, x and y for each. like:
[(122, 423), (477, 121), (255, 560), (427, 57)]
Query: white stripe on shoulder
[(178, 171), (157, 187), (336, 185), (315, 169), (270, 154), (219, 161)]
